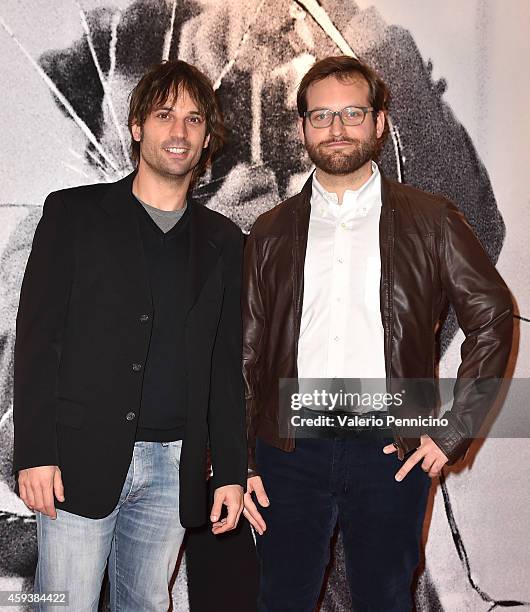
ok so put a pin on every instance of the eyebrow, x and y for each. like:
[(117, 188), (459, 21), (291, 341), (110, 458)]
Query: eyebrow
[(171, 108), (347, 106)]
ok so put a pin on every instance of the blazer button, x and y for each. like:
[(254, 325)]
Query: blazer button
[(144, 318), (136, 367), (130, 416)]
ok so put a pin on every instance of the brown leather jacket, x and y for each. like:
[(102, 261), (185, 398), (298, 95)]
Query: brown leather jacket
[(429, 257)]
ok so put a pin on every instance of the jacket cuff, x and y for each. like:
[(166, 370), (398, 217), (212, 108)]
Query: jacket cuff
[(225, 482), (452, 444), (27, 456), (252, 467)]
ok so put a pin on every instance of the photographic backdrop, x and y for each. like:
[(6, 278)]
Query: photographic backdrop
[(459, 77)]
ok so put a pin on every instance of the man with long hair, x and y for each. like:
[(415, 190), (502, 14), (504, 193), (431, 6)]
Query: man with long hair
[(128, 360)]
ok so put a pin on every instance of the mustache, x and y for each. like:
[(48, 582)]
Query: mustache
[(179, 144), (343, 139)]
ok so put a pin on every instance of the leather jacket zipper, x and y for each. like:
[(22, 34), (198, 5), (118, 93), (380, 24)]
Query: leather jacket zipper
[(389, 294)]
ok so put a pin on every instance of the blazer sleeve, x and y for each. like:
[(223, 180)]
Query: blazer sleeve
[(40, 323), (484, 310), (226, 415), (253, 330)]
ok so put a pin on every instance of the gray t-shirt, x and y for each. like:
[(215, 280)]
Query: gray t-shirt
[(165, 219)]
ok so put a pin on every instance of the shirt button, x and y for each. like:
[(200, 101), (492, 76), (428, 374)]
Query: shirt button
[(130, 416), (136, 367), (144, 318), (340, 260), (336, 338)]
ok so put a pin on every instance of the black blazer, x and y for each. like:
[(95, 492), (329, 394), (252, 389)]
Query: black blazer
[(83, 330)]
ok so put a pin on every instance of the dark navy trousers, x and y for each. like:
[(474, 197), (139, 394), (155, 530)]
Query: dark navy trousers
[(350, 481)]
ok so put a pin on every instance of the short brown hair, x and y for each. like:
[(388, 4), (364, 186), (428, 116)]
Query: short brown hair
[(344, 67), (166, 80)]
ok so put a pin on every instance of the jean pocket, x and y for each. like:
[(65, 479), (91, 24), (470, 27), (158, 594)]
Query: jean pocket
[(174, 449)]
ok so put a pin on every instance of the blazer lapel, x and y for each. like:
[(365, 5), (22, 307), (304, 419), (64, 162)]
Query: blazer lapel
[(125, 241), (204, 251)]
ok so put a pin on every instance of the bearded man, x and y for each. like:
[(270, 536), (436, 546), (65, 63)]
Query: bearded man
[(348, 280)]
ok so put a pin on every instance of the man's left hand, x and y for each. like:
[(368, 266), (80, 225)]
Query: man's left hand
[(429, 453), (232, 497)]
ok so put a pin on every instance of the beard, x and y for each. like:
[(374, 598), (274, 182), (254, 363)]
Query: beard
[(152, 155), (342, 162)]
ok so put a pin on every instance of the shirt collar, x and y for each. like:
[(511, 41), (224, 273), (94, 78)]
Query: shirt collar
[(355, 202)]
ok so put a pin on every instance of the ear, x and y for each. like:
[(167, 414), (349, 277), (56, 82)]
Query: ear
[(300, 129), (136, 132), (206, 141), (380, 123)]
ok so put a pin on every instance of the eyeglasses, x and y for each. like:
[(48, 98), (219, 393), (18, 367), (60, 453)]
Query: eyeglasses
[(324, 117)]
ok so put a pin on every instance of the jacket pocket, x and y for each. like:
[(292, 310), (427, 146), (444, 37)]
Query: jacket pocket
[(70, 413)]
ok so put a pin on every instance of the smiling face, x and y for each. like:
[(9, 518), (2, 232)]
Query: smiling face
[(341, 149), (172, 138)]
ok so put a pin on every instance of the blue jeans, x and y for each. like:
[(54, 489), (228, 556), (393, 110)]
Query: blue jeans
[(350, 481), (140, 539)]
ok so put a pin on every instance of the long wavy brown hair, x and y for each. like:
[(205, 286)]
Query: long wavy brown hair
[(165, 81)]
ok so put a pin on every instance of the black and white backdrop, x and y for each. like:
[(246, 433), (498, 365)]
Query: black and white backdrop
[(459, 76)]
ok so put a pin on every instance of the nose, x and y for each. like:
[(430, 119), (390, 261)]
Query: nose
[(337, 127), (179, 128)]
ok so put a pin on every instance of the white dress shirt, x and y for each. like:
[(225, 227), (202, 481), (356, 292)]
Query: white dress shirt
[(341, 333)]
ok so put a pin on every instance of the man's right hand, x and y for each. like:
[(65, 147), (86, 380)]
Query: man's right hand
[(37, 486), (255, 485)]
